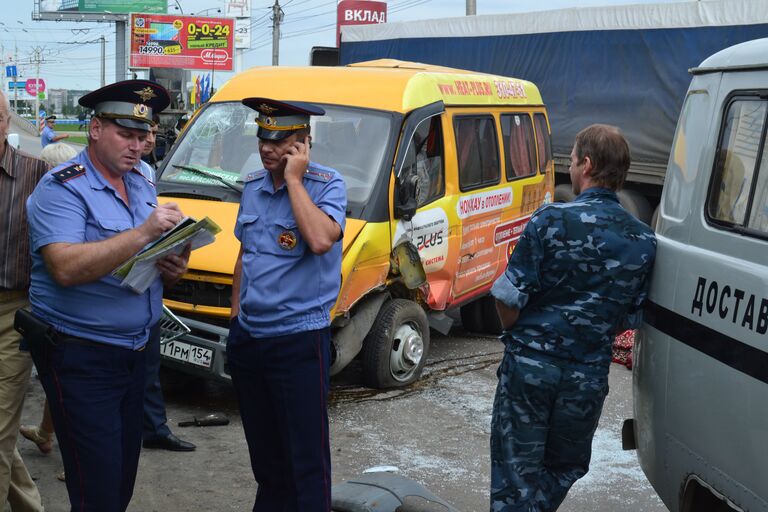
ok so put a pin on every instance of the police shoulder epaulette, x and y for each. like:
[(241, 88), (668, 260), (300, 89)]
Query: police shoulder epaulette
[(318, 174), (255, 175), (68, 173), (144, 176)]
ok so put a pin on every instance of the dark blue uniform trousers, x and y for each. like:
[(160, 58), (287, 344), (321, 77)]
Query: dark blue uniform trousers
[(545, 413), (155, 420), (95, 393), (282, 386)]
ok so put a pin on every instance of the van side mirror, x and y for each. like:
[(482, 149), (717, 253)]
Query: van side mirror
[(406, 180), (405, 199)]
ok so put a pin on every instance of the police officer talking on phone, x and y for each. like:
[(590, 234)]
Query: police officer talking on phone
[(86, 217), (286, 280)]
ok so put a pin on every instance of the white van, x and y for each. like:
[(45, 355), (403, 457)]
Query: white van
[(701, 362)]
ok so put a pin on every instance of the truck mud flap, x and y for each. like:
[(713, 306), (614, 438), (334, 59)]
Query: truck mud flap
[(348, 341)]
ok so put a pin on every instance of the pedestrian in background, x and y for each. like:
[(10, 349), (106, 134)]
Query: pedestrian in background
[(285, 282), (86, 218), (156, 433), (148, 155), (42, 434), (19, 173), (81, 120), (578, 275), (57, 154), (48, 136)]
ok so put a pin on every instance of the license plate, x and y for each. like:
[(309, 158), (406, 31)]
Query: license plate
[(193, 354)]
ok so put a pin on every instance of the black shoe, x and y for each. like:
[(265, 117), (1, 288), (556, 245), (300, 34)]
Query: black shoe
[(169, 442)]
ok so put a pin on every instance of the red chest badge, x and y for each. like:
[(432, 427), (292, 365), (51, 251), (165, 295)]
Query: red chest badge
[(287, 240)]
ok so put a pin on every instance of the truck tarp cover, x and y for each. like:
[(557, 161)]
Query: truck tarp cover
[(620, 65)]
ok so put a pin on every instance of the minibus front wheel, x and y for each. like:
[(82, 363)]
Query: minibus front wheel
[(396, 347)]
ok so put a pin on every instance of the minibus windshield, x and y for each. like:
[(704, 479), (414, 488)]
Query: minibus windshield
[(220, 148)]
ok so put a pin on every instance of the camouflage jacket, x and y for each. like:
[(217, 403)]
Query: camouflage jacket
[(579, 273)]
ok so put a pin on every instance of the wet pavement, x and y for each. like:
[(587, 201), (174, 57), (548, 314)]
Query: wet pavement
[(435, 432)]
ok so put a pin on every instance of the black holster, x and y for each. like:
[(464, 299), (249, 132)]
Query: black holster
[(34, 330)]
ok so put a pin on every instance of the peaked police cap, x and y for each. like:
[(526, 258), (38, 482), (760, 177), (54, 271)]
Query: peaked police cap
[(130, 103), (279, 119)]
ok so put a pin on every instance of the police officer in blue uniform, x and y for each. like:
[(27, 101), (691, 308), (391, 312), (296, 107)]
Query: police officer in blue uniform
[(578, 275), (48, 135), (157, 434), (86, 217), (286, 280)]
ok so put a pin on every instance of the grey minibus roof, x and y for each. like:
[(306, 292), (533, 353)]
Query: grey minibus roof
[(741, 57)]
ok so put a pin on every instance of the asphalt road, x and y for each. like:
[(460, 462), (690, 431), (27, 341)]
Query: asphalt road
[(31, 144), (435, 432)]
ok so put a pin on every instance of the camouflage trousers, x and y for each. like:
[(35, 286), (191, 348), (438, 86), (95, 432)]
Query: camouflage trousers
[(545, 414)]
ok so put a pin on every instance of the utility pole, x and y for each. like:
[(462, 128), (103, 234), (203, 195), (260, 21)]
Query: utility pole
[(103, 60), (15, 79), (37, 58), (471, 7), (277, 17), (2, 65)]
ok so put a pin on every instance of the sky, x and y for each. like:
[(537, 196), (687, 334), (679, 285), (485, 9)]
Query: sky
[(72, 58)]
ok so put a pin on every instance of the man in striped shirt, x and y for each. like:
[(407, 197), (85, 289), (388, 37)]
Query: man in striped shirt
[(19, 173)]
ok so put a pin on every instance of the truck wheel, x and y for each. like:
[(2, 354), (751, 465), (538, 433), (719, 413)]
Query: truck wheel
[(472, 316), (564, 193), (490, 316), (636, 204), (395, 349)]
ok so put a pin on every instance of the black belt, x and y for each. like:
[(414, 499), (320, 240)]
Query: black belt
[(34, 329), (76, 340)]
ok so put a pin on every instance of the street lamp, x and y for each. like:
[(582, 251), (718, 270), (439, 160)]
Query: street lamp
[(178, 6), (205, 11)]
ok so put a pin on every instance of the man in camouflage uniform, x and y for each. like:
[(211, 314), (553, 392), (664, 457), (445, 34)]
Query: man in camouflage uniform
[(578, 275)]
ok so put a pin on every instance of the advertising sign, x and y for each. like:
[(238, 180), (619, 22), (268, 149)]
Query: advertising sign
[(243, 33), (110, 6), (35, 86), (18, 90), (359, 12), (187, 42), (239, 8)]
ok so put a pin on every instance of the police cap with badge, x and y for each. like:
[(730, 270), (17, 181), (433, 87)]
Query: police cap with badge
[(279, 119), (130, 103)]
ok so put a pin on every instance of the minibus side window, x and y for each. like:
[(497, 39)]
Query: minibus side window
[(477, 150), (519, 147), (543, 142), (758, 217), (736, 163), (425, 160)]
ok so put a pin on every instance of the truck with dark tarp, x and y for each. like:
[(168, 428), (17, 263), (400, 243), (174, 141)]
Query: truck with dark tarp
[(622, 65)]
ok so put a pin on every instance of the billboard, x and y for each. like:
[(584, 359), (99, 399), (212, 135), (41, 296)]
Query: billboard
[(110, 6), (359, 12), (35, 86), (237, 8), (243, 33), (185, 42), (25, 89)]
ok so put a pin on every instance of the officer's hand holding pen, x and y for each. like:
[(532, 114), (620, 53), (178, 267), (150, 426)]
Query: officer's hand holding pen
[(297, 160), (162, 218)]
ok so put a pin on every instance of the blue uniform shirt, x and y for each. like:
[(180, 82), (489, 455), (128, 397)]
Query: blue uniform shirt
[(147, 170), (579, 272), (87, 209), (285, 288), (46, 136)]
